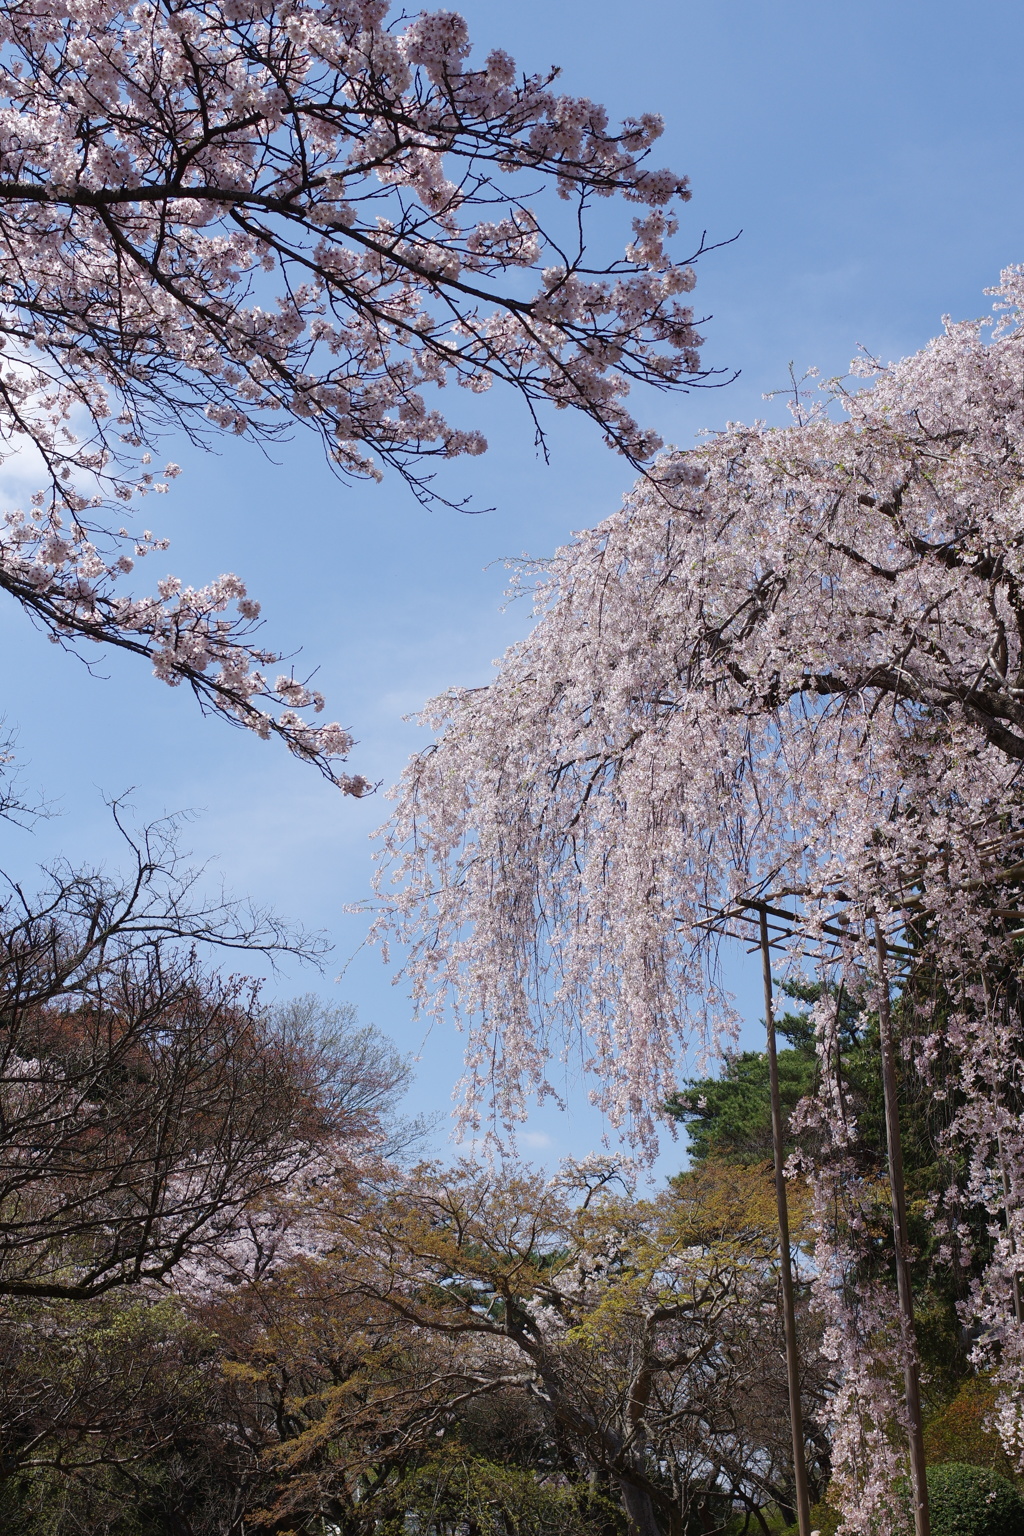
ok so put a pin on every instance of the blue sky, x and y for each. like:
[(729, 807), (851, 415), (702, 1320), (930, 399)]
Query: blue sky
[(872, 157)]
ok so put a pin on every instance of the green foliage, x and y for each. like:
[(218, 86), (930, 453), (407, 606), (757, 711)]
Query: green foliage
[(104, 1504), (961, 1430), (456, 1491), (825, 1519), (973, 1501), (729, 1117), (104, 1408)]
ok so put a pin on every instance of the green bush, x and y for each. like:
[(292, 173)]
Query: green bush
[(963, 1500), (973, 1501)]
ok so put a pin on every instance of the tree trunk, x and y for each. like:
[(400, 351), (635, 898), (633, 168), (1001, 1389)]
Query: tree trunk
[(639, 1509)]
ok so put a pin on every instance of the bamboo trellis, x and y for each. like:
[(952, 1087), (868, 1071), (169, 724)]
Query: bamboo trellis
[(776, 926), (765, 924)]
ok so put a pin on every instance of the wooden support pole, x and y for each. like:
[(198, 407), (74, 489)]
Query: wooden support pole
[(897, 1186), (1009, 1226), (803, 1503)]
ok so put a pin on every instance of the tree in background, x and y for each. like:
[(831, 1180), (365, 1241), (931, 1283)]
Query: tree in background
[(647, 1329), (162, 1329), (457, 1347), (107, 1415), (147, 1102), (235, 217)]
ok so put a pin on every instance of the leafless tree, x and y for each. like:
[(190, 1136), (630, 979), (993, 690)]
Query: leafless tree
[(146, 1099)]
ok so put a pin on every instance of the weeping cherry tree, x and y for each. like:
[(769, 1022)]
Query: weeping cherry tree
[(793, 664)]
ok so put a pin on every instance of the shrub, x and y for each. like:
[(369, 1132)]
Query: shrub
[(964, 1500), (973, 1501)]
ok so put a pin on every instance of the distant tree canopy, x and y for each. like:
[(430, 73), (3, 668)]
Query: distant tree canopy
[(362, 1347), (729, 1116)]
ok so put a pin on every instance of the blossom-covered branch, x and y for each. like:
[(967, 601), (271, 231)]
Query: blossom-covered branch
[(236, 216), (235, 210), (66, 583)]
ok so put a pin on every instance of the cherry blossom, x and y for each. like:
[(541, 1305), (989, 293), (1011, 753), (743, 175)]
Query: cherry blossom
[(66, 583), (774, 671), (239, 216), (792, 663)]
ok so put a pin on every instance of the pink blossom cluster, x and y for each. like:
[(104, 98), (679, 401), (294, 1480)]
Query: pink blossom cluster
[(238, 215), (697, 715), (250, 1243), (49, 562), (238, 210)]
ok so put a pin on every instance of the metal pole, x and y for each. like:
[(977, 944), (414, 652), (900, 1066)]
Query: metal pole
[(918, 1482), (803, 1503)]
